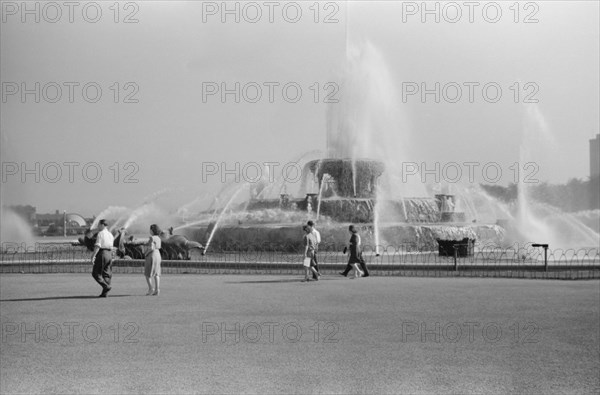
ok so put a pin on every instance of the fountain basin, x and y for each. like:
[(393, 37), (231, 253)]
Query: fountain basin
[(288, 237)]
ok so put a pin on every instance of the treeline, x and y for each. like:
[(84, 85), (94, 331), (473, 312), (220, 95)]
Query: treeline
[(575, 195)]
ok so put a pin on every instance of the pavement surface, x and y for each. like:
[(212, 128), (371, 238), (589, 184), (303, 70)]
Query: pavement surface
[(276, 334)]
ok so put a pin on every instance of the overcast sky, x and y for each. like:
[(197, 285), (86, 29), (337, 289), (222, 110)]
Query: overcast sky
[(177, 50)]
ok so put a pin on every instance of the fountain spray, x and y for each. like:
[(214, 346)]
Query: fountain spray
[(214, 229)]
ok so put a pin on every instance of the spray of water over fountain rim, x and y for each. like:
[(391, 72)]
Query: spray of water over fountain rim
[(214, 229), (360, 126)]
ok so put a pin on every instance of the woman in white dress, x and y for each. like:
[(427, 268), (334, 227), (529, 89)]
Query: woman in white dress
[(153, 260)]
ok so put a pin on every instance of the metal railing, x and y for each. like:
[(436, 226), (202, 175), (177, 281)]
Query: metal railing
[(521, 261)]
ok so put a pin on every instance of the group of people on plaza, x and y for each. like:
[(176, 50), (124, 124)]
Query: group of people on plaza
[(312, 239), (102, 257)]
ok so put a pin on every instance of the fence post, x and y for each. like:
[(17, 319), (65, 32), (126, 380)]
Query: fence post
[(455, 257)]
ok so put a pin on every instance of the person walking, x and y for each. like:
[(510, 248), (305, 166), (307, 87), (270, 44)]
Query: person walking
[(355, 258), (310, 242), (152, 269), (102, 258), (317, 235)]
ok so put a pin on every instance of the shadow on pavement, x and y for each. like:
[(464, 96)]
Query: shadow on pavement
[(294, 280), (63, 297)]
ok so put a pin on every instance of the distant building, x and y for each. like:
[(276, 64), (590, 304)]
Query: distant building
[(595, 156), (48, 219), (54, 224)]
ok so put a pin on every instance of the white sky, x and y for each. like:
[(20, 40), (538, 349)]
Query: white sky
[(170, 52)]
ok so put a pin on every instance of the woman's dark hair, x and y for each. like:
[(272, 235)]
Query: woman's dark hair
[(305, 228), (352, 229), (155, 230)]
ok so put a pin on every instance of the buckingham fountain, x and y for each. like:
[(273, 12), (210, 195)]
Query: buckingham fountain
[(358, 180), (343, 191)]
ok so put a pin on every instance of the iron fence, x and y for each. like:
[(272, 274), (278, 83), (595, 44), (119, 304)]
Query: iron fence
[(519, 261)]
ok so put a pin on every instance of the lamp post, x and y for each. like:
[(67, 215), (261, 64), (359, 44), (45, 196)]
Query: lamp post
[(64, 223), (545, 247)]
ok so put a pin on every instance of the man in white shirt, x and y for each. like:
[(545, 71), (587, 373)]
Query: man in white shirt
[(315, 232), (102, 258)]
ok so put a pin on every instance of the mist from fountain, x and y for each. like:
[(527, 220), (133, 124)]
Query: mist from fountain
[(535, 133), (479, 206), (143, 216), (111, 212), (142, 210), (14, 229), (120, 220), (153, 197), (214, 229), (190, 208), (368, 121), (206, 216), (376, 230), (590, 218), (324, 181), (538, 222), (277, 184)]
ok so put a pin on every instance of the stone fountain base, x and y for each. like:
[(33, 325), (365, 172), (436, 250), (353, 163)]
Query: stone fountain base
[(287, 237)]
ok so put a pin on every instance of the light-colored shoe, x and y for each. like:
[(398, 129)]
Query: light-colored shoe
[(150, 291)]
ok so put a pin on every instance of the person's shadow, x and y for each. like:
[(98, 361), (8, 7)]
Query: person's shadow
[(62, 297), (295, 280)]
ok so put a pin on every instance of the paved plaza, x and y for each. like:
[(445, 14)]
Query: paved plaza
[(274, 334)]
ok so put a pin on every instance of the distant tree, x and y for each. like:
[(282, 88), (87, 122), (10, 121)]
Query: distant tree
[(594, 192), (504, 194), (575, 195)]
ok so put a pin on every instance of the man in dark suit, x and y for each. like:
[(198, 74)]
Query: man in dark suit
[(356, 256)]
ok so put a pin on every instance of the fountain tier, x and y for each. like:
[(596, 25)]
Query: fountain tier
[(347, 178)]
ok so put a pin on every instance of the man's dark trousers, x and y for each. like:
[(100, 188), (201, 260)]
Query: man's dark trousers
[(363, 267), (102, 271), (316, 266)]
